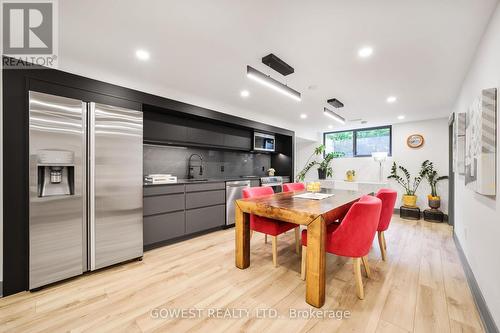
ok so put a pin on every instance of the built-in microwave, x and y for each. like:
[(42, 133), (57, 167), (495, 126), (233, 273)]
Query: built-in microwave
[(264, 142)]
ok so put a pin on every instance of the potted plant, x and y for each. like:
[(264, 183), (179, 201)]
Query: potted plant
[(350, 175), (324, 167), (410, 187), (432, 178)]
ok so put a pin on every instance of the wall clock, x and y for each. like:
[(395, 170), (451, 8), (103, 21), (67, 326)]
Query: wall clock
[(415, 141)]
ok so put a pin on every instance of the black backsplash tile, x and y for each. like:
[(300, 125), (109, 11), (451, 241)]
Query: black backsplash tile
[(174, 160)]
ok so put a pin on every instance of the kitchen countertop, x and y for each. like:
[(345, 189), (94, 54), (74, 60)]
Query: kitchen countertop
[(209, 180)]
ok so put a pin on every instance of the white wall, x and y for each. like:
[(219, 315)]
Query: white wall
[(477, 217), (435, 132)]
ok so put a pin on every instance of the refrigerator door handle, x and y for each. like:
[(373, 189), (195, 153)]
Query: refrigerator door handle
[(91, 182), (85, 190)]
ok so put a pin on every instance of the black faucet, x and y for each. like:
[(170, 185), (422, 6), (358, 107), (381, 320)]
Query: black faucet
[(190, 167)]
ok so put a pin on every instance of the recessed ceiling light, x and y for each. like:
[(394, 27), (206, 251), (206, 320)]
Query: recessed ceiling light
[(391, 99), (303, 116), (365, 52), (330, 126), (244, 93), (142, 54), (401, 117)]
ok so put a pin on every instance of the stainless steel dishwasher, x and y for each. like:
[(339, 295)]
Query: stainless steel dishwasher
[(234, 191)]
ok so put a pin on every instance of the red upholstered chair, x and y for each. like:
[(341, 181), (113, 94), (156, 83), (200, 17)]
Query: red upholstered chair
[(269, 226), (388, 198), (292, 187), (353, 237)]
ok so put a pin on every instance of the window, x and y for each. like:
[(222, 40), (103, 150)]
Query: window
[(359, 142), (340, 143)]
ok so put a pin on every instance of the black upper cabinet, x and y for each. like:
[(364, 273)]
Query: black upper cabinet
[(173, 129), (163, 128), (205, 136), (239, 142)]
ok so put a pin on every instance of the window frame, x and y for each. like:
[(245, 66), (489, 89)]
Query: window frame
[(355, 138)]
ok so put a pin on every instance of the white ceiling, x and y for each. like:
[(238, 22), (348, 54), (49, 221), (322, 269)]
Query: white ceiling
[(200, 49)]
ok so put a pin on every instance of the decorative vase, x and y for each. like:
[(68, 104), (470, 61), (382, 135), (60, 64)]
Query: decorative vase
[(271, 173), (350, 178), (410, 200), (434, 202), (321, 174)]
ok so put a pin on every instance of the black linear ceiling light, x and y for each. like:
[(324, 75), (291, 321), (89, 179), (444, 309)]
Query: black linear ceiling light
[(281, 67), (334, 116), (272, 83)]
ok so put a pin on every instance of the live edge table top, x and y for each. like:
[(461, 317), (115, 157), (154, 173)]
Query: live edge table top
[(284, 207)]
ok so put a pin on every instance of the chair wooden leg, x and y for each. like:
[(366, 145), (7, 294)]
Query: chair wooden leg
[(297, 240), (381, 243), (383, 238), (265, 239), (357, 276), (275, 250), (367, 266), (303, 263)]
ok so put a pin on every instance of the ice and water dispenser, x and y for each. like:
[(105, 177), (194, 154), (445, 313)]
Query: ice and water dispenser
[(56, 173)]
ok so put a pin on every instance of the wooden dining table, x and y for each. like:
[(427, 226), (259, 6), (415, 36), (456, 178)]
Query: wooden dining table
[(308, 212)]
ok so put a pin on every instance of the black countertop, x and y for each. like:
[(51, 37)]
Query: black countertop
[(208, 180)]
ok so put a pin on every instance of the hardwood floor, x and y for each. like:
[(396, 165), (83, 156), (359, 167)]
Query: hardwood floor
[(420, 288)]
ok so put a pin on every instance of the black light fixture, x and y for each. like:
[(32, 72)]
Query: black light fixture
[(272, 83), (334, 116), (277, 64), (335, 103)]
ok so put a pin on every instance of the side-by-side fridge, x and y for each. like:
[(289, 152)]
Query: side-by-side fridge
[(85, 187)]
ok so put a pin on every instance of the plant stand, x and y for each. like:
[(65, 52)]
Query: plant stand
[(433, 215), (409, 213)]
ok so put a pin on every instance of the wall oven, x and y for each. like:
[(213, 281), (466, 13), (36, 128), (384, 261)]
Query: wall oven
[(264, 142)]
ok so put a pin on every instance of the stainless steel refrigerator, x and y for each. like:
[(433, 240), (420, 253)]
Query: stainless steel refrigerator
[(85, 184)]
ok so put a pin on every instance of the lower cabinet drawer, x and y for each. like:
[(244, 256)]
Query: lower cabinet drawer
[(203, 199), (163, 204), (163, 227), (205, 218)]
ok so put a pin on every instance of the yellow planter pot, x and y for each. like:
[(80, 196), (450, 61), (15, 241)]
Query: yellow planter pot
[(350, 178), (410, 200)]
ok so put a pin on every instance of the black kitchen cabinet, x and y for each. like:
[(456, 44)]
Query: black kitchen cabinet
[(163, 204), (205, 218), (163, 128), (205, 137), (203, 199), (171, 129), (175, 211), (238, 142), (163, 227)]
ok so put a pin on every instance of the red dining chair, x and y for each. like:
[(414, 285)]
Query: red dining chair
[(388, 198), (352, 238), (292, 187), (269, 226)]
